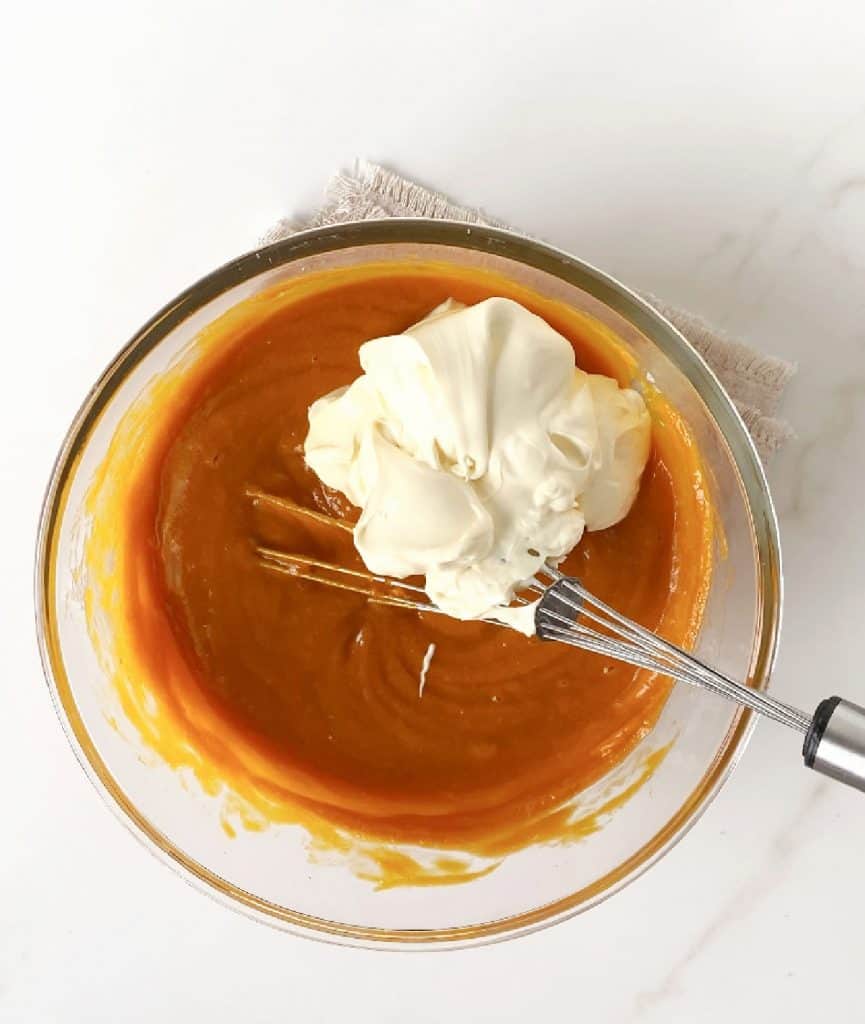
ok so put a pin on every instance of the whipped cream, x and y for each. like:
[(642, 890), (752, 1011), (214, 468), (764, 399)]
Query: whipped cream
[(477, 450)]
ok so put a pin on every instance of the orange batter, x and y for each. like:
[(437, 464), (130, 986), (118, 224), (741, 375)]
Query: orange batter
[(304, 699)]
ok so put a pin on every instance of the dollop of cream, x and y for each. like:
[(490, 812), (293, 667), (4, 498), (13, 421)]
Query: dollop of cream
[(477, 450)]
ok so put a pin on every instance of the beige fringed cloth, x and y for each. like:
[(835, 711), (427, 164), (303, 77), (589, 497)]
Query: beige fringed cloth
[(755, 382)]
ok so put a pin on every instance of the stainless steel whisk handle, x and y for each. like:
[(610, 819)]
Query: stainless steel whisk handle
[(835, 742)]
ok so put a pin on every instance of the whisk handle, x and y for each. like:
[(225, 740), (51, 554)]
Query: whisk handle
[(835, 742)]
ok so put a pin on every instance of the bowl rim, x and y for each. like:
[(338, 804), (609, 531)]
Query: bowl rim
[(539, 256)]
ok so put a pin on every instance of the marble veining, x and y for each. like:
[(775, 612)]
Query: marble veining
[(775, 863)]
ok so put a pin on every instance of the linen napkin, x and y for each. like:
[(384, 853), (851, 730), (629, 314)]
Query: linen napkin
[(755, 382)]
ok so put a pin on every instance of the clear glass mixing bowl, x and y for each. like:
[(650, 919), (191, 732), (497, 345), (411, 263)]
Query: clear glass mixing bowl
[(268, 874)]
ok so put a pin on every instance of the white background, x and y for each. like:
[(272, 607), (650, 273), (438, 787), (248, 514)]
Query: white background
[(711, 153)]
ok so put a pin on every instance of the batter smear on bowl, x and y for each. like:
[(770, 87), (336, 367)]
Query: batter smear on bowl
[(305, 700)]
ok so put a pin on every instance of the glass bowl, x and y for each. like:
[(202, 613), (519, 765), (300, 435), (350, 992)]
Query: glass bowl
[(269, 874)]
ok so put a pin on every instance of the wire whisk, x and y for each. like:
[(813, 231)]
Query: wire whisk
[(566, 612), (564, 602)]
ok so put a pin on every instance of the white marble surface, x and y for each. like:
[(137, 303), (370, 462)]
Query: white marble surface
[(713, 154)]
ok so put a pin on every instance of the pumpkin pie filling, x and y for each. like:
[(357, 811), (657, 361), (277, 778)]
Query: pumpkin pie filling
[(311, 704)]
